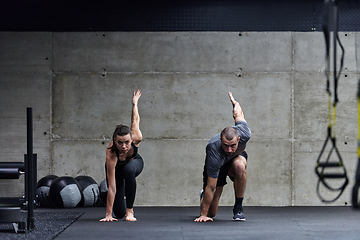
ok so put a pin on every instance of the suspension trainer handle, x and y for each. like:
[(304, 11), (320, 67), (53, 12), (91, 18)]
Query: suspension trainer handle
[(330, 22)]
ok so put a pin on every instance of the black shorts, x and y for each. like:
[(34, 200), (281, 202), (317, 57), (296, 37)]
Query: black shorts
[(224, 170)]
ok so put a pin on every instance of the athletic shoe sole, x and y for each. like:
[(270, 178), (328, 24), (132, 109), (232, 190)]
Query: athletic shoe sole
[(239, 217)]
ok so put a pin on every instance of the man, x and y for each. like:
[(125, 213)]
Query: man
[(225, 156)]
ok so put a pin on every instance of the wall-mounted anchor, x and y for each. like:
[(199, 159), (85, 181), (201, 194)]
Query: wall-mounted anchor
[(239, 72), (103, 73)]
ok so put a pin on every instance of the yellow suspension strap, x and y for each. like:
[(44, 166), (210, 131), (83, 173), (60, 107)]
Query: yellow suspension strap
[(331, 171), (355, 191)]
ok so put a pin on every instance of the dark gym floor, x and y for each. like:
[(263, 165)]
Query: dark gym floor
[(261, 223)]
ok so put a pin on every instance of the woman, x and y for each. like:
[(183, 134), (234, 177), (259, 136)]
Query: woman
[(123, 164)]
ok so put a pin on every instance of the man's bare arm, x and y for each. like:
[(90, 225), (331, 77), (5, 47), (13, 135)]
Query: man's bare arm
[(238, 113), (208, 197)]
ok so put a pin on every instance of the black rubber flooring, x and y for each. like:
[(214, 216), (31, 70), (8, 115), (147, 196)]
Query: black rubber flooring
[(261, 223), (48, 224)]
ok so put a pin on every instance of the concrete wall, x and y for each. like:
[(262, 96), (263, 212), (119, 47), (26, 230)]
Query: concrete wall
[(80, 87)]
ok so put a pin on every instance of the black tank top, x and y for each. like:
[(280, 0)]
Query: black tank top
[(119, 162)]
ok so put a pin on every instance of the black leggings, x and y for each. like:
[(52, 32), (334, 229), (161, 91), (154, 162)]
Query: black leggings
[(126, 185)]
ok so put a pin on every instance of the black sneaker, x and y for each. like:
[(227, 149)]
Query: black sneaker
[(238, 215)]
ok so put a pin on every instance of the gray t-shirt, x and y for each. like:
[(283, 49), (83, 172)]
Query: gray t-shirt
[(216, 156)]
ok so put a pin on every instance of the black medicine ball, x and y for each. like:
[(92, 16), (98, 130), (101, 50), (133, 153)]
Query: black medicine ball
[(90, 191), (65, 192), (103, 191), (42, 190)]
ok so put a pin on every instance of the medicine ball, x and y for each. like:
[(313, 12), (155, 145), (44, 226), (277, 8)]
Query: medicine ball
[(65, 192), (42, 190), (103, 191), (90, 191)]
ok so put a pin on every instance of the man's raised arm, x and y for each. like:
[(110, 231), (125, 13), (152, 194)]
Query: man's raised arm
[(238, 113)]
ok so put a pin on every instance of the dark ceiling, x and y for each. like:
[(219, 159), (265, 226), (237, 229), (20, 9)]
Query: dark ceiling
[(186, 15)]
